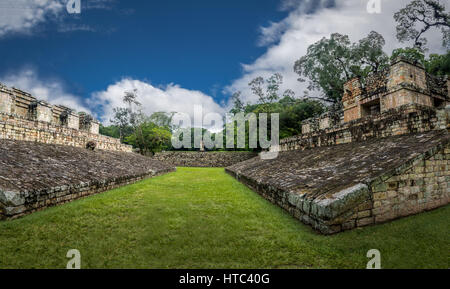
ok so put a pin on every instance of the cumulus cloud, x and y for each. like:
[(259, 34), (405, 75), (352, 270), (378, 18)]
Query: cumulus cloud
[(50, 90), (307, 22), (169, 98), (20, 16)]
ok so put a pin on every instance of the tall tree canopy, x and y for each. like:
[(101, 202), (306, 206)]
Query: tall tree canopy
[(438, 64), (418, 17), (331, 62), (267, 91), (147, 133)]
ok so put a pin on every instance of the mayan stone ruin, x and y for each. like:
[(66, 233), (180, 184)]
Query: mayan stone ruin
[(204, 159), (23, 117), (385, 155), (51, 155)]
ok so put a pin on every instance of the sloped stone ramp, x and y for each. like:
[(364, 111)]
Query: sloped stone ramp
[(34, 176), (341, 187)]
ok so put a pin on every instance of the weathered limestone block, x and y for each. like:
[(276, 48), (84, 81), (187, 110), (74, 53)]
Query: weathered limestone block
[(351, 98), (44, 112), (324, 122), (405, 74), (73, 121), (306, 127), (404, 97), (95, 127), (88, 123), (203, 159), (6, 101)]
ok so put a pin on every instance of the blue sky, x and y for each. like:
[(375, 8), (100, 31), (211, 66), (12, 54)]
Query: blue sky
[(175, 52), (197, 44)]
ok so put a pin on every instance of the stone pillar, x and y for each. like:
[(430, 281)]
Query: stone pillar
[(95, 127), (324, 122), (407, 84), (406, 74), (306, 127), (44, 112), (84, 121), (6, 100), (350, 100), (310, 125), (88, 123), (202, 146), (73, 121)]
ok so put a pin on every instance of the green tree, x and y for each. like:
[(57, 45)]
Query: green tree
[(121, 119), (112, 131), (368, 55), (438, 64), (413, 55), (238, 105), (293, 113), (153, 138), (418, 17), (331, 62), (268, 91)]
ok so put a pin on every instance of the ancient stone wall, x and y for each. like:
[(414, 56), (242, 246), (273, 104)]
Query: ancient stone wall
[(402, 83), (420, 186), (203, 159), (17, 128), (417, 186), (402, 120), (23, 117), (18, 103)]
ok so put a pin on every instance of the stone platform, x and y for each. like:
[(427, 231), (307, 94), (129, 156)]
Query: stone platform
[(34, 176), (340, 187)]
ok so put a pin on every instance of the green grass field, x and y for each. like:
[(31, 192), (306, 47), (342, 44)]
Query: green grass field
[(203, 218)]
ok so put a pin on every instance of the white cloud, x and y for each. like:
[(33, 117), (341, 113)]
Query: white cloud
[(308, 22), (20, 16), (50, 90), (170, 98)]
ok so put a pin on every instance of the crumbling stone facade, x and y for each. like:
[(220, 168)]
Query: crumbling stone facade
[(203, 159), (23, 117), (404, 83), (406, 119), (386, 156)]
